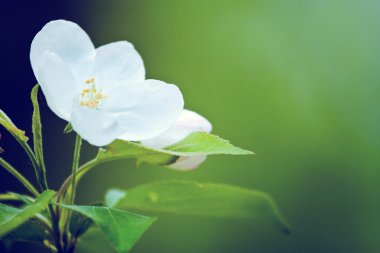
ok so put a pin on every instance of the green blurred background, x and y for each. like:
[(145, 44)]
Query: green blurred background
[(296, 81)]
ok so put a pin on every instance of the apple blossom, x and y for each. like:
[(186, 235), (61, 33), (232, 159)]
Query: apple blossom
[(187, 123), (102, 92)]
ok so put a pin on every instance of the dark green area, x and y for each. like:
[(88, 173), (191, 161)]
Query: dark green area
[(297, 82)]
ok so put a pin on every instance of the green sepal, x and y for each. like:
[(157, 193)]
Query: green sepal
[(68, 128)]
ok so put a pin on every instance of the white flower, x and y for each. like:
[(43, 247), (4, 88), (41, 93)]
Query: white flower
[(103, 91), (188, 122)]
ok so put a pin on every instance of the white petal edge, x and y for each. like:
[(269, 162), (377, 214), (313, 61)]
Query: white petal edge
[(145, 109), (187, 123), (117, 62), (58, 85), (185, 163), (98, 127), (64, 38)]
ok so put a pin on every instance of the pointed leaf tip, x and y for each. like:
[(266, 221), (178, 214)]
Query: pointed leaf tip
[(202, 143), (196, 144), (122, 229), (7, 123), (68, 128)]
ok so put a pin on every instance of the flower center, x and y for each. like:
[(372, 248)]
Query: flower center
[(90, 96)]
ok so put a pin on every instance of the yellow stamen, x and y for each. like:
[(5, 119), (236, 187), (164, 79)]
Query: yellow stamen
[(92, 80), (91, 97)]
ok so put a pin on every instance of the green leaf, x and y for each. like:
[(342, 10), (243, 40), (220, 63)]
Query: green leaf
[(30, 231), (27, 200), (10, 219), (205, 199), (68, 128), (93, 241), (79, 224), (123, 229), (5, 197), (37, 135), (24, 198), (198, 143), (11, 128), (201, 143), (130, 150), (36, 125)]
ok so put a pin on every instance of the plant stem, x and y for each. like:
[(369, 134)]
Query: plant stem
[(41, 177), (71, 198), (20, 177), (57, 234), (78, 144), (33, 190), (79, 173)]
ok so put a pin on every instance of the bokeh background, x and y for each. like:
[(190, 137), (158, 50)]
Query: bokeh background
[(296, 81)]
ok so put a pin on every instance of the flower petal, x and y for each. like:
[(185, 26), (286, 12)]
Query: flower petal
[(98, 127), (67, 40), (146, 109), (187, 123), (117, 62), (58, 84), (188, 162)]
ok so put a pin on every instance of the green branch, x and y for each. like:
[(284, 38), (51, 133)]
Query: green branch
[(78, 144), (79, 173)]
